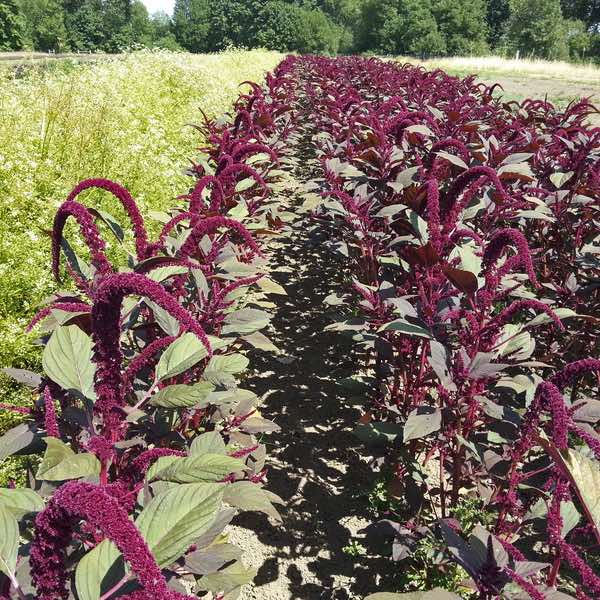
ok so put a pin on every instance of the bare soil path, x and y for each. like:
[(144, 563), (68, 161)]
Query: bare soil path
[(315, 461)]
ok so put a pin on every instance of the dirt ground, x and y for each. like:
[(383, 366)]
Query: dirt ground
[(315, 462)]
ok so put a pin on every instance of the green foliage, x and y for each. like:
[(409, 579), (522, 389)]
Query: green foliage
[(584, 10), (401, 27), (84, 24), (190, 24), (498, 13), (429, 569), (579, 39), (354, 548), (463, 25), (201, 26), (423, 28), (536, 28), (44, 24), (12, 26)]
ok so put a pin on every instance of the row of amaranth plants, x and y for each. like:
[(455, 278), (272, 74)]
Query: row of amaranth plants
[(470, 226), (148, 441)]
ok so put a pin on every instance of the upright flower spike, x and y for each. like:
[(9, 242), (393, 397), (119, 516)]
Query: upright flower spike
[(54, 527), (482, 173), (50, 422), (196, 202), (211, 225), (433, 215), (529, 304), (106, 333), (90, 233), (129, 204), (503, 238)]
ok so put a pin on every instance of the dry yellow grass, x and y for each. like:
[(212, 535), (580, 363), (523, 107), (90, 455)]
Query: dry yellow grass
[(490, 65)]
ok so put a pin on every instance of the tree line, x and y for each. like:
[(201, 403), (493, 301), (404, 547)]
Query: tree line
[(554, 29)]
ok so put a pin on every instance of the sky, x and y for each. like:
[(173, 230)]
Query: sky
[(162, 5)]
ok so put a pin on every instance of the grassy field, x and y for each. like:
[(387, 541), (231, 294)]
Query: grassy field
[(118, 118), (561, 82)]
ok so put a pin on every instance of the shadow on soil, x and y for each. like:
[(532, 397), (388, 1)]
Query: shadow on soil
[(314, 460)]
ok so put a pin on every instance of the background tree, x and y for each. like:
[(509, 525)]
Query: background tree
[(318, 34), (142, 30), (463, 25), (536, 28), (84, 24), (162, 34), (117, 26), (190, 24), (587, 11), (280, 26), (44, 25), (12, 26), (498, 13)]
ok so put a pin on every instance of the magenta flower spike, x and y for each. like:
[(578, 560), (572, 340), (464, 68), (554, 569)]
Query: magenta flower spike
[(90, 233), (129, 204), (54, 528), (106, 330)]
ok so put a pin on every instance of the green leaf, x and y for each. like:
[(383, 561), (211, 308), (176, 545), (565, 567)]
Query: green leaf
[(162, 273), (421, 422), (181, 355), (520, 170), (20, 501), (420, 129), (559, 179), (570, 517), (246, 495), (260, 341), (407, 328), (169, 324), (378, 433), (182, 396), (200, 468), (61, 463), (16, 439), (175, 518), (159, 465), (405, 179), (585, 476), (452, 158), (244, 184), (227, 579), (543, 318), (98, 571), (246, 320), (268, 286), (208, 443), (110, 222), (220, 369), (210, 560), (9, 541), (67, 360)]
